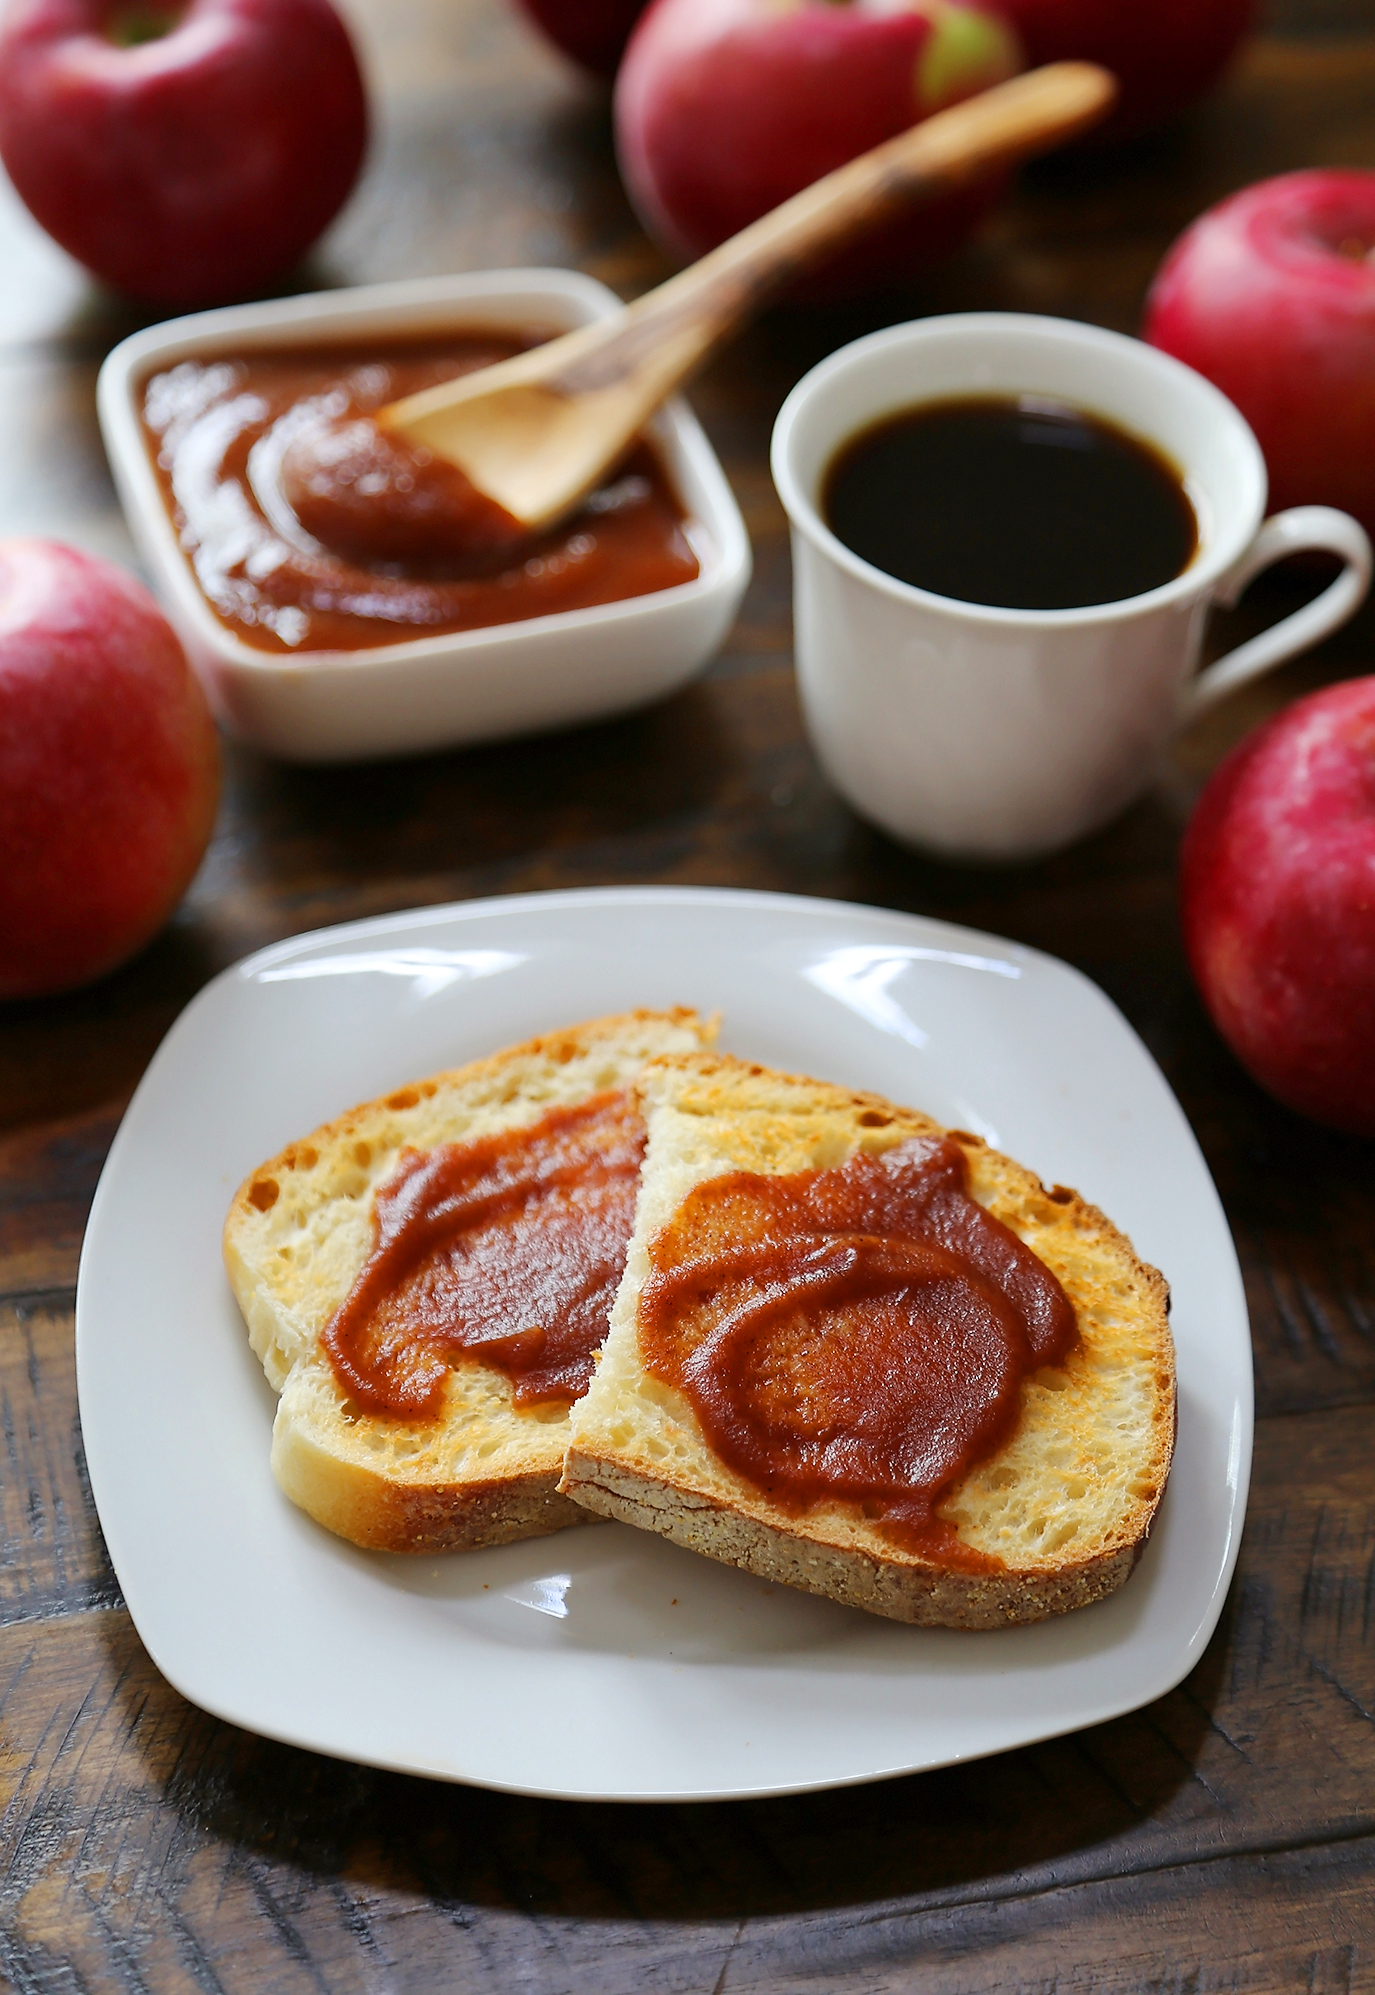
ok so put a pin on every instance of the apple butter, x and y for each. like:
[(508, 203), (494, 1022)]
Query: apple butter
[(389, 545), (859, 1333), (507, 1250)]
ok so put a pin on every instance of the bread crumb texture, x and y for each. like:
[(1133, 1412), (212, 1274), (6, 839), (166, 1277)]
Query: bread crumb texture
[(298, 1232), (1065, 1506)]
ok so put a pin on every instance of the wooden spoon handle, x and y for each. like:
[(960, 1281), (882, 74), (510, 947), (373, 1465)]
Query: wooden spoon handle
[(665, 335), (535, 432)]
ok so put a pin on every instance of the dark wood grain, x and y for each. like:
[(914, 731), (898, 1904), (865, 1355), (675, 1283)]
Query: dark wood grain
[(1224, 1838), (48, 1174), (139, 1829)]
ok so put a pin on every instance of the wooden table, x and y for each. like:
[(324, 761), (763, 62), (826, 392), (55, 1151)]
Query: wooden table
[(1222, 1838)]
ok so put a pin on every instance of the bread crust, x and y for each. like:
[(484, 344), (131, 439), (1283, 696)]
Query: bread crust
[(299, 1229), (925, 1595), (637, 1452), (384, 1515)]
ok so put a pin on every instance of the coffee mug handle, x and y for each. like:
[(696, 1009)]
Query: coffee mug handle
[(1302, 530)]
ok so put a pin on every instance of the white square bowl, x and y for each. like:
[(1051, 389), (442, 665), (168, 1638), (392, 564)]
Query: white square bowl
[(431, 692)]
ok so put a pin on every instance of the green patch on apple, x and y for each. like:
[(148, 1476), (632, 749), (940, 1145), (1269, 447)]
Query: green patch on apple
[(967, 51)]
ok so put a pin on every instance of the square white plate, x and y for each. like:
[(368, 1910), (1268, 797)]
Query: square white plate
[(603, 1663)]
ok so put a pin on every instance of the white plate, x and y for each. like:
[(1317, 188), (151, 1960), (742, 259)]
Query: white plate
[(603, 1663)]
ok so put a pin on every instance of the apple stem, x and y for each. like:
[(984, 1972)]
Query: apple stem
[(132, 26)]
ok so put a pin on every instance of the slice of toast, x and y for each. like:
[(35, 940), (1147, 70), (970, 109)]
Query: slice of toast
[(1054, 1518), (482, 1470)]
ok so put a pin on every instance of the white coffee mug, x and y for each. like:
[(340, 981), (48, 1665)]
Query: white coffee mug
[(994, 734)]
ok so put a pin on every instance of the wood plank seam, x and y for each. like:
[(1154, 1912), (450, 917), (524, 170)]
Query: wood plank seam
[(1334, 1682), (92, 1596), (60, 1297), (1355, 1834)]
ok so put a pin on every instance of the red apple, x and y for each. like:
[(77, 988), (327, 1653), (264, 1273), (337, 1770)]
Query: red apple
[(187, 151), (1279, 904), (1164, 53), (592, 32), (724, 108), (1272, 296), (109, 768)]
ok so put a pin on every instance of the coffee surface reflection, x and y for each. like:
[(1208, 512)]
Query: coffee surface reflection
[(1015, 502)]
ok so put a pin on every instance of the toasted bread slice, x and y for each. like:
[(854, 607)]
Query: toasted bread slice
[(1054, 1519), (299, 1230)]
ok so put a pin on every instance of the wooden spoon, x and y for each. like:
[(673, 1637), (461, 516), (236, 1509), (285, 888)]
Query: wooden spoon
[(535, 434)]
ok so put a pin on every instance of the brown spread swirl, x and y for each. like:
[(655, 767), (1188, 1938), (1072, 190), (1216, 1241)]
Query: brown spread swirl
[(860, 1333), (307, 529), (506, 1250)]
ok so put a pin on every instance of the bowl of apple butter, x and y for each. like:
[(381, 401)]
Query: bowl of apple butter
[(340, 593)]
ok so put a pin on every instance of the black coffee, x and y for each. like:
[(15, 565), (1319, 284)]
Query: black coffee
[(1020, 503)]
